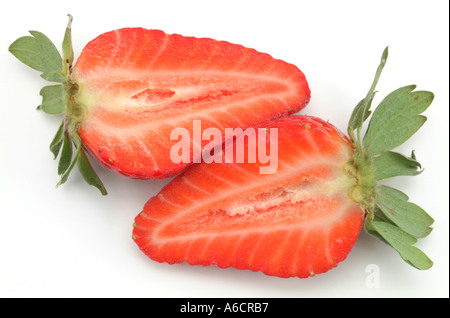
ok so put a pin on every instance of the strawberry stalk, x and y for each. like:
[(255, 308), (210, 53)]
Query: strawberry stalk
[(40, 53), (389, 215)]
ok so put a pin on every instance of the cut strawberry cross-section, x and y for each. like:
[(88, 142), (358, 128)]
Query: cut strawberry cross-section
[(130, 88), (304, 218), (296, 222)]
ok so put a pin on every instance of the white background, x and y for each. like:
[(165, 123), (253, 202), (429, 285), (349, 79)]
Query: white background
[(72, 242)]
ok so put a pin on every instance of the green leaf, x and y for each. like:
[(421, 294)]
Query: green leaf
[(66, 155), (56, 76), (396, 119), (67, 48), (361, 112), (39, 53), (57, 141), (357, 118), (53, 99), (71, 135), (88, 173), (392, 164), (368, 226), (401, 241), (395, 207), (80, 158), (66, 173)]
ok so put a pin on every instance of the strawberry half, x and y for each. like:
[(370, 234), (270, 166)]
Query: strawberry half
[(296, 222), (130, 88), (305, 218)]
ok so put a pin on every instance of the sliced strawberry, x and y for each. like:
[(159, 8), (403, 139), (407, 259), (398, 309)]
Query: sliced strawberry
[(132, 87), (303, 218), (138, 85), (296, 222)]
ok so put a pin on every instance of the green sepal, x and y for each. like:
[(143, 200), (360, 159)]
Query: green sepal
[(401, 241), (39, 53), (396, 119), (394, 206), (66, 154), (392, 164), (56, 76), (362, 110), (65, 174), (357, 118), (71, 134), (368, 226), (67, 48), (57, 141), (88, 173), (53, 99), (68, 161)]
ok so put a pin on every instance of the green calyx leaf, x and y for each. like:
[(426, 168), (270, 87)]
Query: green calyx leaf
[(392, 164), (68, 160), (394, 206), (401, 241), (66, 156), (390, 215), (88, 173), (362, 110), (53, 99), (57, 141), (396, 119), (360, 113), (67, 48), (39, 53)]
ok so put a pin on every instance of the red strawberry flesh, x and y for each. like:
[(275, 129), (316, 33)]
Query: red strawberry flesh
[(138, 85), (296, 222)]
